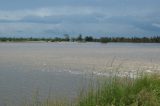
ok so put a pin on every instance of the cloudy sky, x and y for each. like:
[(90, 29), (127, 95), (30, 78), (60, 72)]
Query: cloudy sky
[(49, 18)]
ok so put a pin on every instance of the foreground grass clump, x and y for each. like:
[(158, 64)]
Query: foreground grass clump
[(143, 91), (114, 91)]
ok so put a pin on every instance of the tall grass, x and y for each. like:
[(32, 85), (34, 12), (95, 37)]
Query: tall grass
[(117, 91), (114, 91)]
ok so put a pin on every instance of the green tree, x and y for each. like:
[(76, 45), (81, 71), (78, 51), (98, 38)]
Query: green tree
[(79, 38), (88, 39)]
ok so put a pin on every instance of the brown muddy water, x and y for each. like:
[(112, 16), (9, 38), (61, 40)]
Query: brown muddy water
[(61, 69)]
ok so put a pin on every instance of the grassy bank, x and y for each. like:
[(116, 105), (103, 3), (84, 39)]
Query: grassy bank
[(142, 91), (114, 91)]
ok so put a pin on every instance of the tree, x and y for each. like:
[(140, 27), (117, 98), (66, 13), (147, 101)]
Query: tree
[(66, 37), (88, 39), (79, 38), (104, 40)]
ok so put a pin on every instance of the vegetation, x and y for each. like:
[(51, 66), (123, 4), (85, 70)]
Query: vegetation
[(80, 38), (143, 91), (88, 39), (115, 91)]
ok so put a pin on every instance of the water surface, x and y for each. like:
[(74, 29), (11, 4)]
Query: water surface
[(62, 68)]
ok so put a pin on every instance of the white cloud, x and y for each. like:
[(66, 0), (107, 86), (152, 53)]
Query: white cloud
[(156, 25)]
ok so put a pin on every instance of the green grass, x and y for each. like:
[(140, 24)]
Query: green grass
[(114, 91), (142, 91)]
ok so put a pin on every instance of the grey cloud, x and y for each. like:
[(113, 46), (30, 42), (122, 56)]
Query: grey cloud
[(81, 16)]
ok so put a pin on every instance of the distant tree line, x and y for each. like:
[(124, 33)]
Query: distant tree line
[(155, 39), (80, 38)]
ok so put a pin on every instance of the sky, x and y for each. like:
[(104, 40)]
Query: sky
[(50, 18)]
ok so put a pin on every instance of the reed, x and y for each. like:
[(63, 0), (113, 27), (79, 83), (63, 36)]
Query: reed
[(144, 90)]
